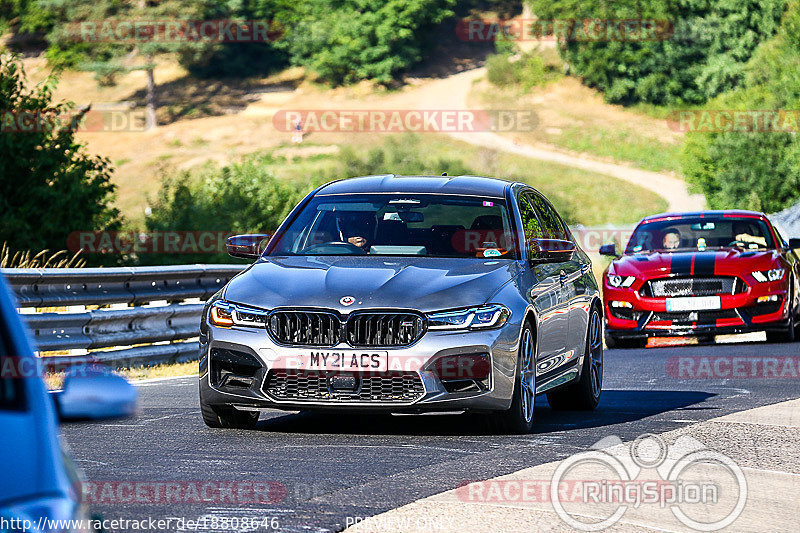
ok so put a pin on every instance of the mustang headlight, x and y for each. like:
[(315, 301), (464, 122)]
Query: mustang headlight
[(226, 314), (620, 281), (485, 317), (763, 276)]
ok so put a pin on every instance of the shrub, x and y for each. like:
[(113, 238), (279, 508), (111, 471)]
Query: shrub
[(240, 198), (705, 56), (759, 169), (49, 185), (346, 41), (528, 71)]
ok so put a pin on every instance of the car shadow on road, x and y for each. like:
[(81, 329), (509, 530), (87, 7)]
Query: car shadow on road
[(616, 407)]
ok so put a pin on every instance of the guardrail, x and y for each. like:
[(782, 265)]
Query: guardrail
[(136, 315)]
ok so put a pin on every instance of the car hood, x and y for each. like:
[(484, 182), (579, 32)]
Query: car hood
[(421, 283), (708, 263)]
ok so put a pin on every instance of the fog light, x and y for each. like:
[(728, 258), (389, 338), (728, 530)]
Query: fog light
[(770, 298), (621, 304), (473, 366)]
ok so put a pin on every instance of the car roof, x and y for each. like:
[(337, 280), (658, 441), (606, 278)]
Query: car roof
[(393, 183), (702, 214)]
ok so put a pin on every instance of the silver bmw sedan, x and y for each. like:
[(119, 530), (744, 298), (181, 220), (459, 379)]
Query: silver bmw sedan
[(407, 294)]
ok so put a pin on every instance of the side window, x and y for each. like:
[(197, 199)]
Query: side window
[(551, 224), (530, 222), (11, 386), (781, 241)]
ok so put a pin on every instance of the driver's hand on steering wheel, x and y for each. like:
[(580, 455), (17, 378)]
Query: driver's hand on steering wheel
[(361, 242)]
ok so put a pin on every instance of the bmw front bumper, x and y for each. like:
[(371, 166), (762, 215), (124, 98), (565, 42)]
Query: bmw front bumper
[(239, 368)]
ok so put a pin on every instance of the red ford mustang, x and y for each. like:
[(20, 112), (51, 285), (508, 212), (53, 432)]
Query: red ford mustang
[(702, 274)]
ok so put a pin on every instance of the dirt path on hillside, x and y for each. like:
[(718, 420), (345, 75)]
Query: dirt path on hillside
[(452, 92)]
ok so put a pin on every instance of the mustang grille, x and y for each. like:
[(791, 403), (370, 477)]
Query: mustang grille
[(372, 329), (689, 317), (693, 286), (301, 328), (311, 386)]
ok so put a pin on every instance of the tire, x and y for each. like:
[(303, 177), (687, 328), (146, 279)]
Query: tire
[(518, 419), (622, 343), (584, 395), (227, 417), (788, 335)]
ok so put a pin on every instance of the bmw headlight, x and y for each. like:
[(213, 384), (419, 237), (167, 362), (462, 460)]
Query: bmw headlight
[(485, 317), (227, 314), (763, 276), (620, 281)]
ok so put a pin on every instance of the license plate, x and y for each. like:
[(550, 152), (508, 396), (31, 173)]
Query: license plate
[(699, 303), (342, 360)]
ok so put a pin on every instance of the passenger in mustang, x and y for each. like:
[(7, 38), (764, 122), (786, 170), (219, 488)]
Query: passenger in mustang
[(672, 239)]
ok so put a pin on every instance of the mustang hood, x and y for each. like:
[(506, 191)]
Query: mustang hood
[(709, 263), (421, 283)]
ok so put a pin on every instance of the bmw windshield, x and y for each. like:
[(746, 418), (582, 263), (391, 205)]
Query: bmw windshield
[(400, 225)]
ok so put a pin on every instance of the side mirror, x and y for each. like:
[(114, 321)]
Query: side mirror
[(609, 249), (551, 250), (794, 244), (247, 246), (93, 392)]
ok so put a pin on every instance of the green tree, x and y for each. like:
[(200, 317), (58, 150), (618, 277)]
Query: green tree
[(345, 41), (49, 185), (754, 169), (703, 56), (239, 198), (90, 36)]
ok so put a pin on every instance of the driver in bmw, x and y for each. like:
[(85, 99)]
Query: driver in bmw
[(353, 229)]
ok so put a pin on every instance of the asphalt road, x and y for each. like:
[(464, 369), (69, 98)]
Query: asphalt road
[(328, 468)]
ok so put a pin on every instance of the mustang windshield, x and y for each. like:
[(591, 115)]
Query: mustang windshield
[(400, 224), (698, 234)]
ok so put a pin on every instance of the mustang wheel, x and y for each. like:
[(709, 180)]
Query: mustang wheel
[(793, 331), (621, 343), (783, 336), (585, 393)]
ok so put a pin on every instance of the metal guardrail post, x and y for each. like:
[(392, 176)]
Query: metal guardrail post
[(134, 329)]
